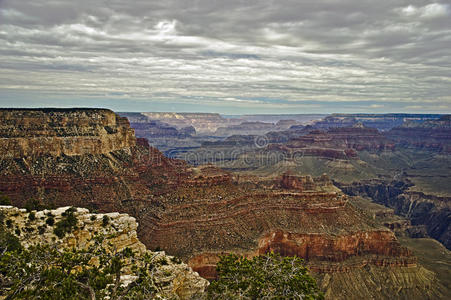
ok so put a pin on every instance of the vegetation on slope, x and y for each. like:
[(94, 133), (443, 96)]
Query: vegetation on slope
[(268, 276)]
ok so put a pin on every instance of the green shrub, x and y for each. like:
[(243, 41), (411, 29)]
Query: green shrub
[(67, 224), (93, 218), (8, 242), (105, 220), (41, 229), (263, 277), (50, 221), (9, 223), (176, 260), (33, 204), (4, 200), (31, 216)]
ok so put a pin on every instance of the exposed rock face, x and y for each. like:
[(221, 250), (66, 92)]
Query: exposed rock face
[(382, 122), (180, 282), (432, 211), (430, 135), (337, 249), (357, 138), (57, 132), (154, 129), (302, 183), (202, 122), (254, 128), (416, 283), (121, 230), (224, 215)]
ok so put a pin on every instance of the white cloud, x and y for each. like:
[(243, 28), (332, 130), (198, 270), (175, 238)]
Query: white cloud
[(235, 52), (433, 10)]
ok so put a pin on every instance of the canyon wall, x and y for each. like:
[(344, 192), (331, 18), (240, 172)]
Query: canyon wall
[(432, 211), (201, 213), (382, 122), (57, 132), (432, 135)]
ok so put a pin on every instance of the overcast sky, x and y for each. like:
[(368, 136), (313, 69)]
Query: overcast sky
[(227, 56)]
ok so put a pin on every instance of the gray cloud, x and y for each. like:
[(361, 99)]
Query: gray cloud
[(229, 55)]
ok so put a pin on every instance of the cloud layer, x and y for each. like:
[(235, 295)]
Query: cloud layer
[(227, 56)]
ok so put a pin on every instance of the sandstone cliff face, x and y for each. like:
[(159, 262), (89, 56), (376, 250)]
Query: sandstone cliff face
[(178, 280), (57, 132)]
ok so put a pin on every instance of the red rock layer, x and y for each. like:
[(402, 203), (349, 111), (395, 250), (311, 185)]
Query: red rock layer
[(323, 253)]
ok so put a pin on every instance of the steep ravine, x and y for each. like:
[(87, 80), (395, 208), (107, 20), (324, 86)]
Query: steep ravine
[(421, 209)]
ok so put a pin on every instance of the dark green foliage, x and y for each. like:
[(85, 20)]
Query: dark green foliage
[(41, 229), (176, 260), (105, 220), (9, 223), (33, 204), (8, 242), (93, 218), (50, 221), (4, 200), (44, 272), (263, 277), (31, 216), (67, 224), (17, 231)]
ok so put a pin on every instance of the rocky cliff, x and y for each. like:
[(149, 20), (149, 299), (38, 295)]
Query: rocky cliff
[(205, 123), (120, 232), (73, 166), (432, 135), (199, 213), (383, 122), (256, 128), (357, 138), (57, 132), (431, 211)]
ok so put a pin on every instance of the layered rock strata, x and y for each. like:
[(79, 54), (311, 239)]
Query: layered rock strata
[(432, 135), (200, 213), (57, 132), (430, 211)]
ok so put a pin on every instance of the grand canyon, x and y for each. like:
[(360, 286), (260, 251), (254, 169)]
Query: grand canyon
[(351, 195)]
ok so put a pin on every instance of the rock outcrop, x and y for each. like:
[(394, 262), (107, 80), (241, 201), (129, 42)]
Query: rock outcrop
[(57, 132), (177, 279)]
